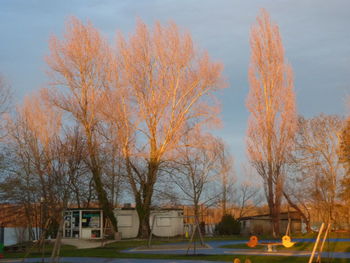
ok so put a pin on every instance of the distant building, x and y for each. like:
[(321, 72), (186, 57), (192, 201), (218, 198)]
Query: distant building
[(261, 224), (17, 227)]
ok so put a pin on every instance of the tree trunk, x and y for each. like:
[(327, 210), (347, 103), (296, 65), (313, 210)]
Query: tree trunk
[(96, 175), (143, 212), (302, 214), (103, 200)]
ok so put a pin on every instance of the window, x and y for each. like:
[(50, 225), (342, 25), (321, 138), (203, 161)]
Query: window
[(91, 219), (163, 221), (124, 220)]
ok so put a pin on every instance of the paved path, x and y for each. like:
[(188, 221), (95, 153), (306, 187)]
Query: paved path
[(217, 250), (83, 243)]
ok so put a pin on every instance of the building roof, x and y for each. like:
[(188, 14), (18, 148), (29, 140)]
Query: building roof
[(15, 215), (293, 215)]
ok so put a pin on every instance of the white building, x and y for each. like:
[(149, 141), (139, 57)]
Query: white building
[(88, 223), (83, 223), (165, 222)]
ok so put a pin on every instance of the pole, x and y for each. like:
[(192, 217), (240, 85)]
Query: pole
[(316, 244), (150, 236), (323, 242)]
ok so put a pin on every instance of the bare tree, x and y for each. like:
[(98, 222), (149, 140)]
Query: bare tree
[(47, 164), (81, 68), (195, 172), (317, 156), (271, 103), (225, 169), (247, 194), (344, 157), (5, 103), (170, 90), (344, 145), (298, 196)]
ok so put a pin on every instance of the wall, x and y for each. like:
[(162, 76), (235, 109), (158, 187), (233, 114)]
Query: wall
[(14, 235), (128, 222), (167, 223)]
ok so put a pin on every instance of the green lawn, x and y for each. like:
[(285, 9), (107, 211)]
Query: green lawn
[(113, 250), (300, 246)]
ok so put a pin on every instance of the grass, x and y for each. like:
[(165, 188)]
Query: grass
[(113, 250), (300, 246)]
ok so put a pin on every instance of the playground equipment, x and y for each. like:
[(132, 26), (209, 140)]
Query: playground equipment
[(319, 252), (195, 231), (286, 242), (237, 260), (253, 242)]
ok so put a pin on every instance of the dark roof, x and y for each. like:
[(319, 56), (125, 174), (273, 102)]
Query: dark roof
[(293, 215)]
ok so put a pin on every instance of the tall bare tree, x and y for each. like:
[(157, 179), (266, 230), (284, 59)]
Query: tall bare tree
[(271, 103), (170, 88), (81, 68)]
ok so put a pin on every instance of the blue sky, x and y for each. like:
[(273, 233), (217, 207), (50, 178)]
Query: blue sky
[(315, 34)]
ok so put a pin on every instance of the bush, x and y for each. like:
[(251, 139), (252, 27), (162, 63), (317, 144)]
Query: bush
[(228, 226)]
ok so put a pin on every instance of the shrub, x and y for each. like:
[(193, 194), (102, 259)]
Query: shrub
[(228, 226)]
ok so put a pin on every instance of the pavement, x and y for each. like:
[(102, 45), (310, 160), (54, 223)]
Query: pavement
[(83, 243), (215, 249)]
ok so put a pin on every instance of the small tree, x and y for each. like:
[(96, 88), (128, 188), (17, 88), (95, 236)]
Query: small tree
[(194, 171)]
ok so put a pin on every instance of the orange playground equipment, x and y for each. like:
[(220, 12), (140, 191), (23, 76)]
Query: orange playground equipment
[(286, 242)]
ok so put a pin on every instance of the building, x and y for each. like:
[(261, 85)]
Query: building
[(261, 224), (83, 223), (89, 223), (20, 223), (163, 222)]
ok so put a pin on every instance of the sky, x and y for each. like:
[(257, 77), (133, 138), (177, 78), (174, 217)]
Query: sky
[(315, 35)]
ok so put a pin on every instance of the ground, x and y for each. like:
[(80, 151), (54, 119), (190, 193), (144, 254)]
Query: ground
[(173, 251)]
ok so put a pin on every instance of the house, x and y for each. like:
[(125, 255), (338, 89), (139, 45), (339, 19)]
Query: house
[(261, 224)]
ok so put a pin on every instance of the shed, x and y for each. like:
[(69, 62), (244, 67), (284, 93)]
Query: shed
[(261, 224)]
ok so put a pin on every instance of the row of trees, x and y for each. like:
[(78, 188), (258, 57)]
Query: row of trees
[(136, 116)]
